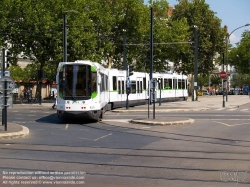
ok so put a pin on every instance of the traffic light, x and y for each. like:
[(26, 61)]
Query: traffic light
[(128, 90), (130, 70), (7, 58)]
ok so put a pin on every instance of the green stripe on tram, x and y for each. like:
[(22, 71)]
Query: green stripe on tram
[(93, 69), (93, 95)]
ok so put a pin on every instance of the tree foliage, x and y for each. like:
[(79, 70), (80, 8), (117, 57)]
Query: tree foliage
[(210, 34), (96, 29), (240, 55)]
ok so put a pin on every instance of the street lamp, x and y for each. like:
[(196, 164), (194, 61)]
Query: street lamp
[(195, 95), (227, 39), (151, 39), (65, 34)]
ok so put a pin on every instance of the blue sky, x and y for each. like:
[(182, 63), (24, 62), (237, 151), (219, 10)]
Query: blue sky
[(233, 13)]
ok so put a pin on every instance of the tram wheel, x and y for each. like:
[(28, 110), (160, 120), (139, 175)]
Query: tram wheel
[(100, 116)]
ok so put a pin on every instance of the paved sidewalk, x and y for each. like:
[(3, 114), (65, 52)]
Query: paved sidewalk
[(203, 103), (13, 131)]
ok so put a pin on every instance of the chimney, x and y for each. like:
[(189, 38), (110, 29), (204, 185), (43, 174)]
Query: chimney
[(170, 11), (226, 28)]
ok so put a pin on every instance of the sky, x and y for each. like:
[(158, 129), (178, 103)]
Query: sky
[(233, 13)]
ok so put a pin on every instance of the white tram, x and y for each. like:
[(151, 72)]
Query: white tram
[(86, 89)]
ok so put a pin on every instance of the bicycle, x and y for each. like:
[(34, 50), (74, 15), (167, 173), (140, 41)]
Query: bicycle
[(25, 99), (35, 99)]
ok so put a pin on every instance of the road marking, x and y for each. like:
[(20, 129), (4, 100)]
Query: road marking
[(145, 127), (246, 109), (220, 109), (231, 109), (85, 138), (102, 137), (67, 126), (230, 125)]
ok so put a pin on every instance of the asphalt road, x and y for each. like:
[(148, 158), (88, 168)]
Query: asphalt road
[(213, 151)]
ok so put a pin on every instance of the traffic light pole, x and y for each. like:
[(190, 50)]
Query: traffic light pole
[(223, 84), (195, 95), (4, 110)]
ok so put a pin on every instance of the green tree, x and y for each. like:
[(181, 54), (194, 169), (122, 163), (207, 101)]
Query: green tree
[(34, 28), (19, 74), (210, 34), (240, 55), (239, 80)]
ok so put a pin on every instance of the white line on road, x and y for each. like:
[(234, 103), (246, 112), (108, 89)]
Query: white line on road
[(220, 109), (230, 125), (145, 127), (103, 137), (246, 109)]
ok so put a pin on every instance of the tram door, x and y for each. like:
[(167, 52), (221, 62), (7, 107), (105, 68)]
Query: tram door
[(139, 87), (160, 85), (175, 84), (121, 89)]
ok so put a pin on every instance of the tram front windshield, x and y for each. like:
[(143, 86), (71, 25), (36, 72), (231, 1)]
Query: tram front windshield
[(77, 82)]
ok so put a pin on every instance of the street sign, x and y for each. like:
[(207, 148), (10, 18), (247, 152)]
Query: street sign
[(153, 84), (9, 101), (223, 74), (7, 73), (128, 82), (6, 84)]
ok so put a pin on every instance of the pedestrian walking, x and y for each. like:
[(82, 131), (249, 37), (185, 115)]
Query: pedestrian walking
[(55, 101)]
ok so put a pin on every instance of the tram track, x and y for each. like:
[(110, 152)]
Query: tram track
[(124, 166), (172, 136), (150, 153)]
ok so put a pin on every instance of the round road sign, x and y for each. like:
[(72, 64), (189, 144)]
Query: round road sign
[(223, 74)]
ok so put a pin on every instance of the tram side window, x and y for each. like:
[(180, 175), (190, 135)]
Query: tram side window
[(133, 87), (102, 88), (180, 83), (94, 87), (139, 86), (121, 87), (167, 83), (160, 83), (144, 84), (106, 82), (183, 85), (114, 83)]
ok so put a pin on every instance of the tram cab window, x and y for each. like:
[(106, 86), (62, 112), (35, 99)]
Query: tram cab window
[(77, 82)]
